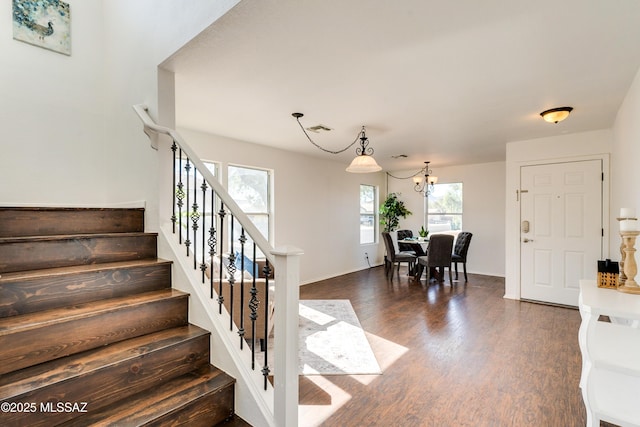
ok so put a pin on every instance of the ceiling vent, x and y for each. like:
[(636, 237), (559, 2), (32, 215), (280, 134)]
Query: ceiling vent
[(399, 156), (318, 129)]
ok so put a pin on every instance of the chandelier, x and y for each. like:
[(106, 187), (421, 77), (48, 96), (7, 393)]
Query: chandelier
[(424, 184), (362, 163)]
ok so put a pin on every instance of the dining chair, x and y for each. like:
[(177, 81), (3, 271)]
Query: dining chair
[(405, 247), (394, 257), (460, 252), (438, 255)]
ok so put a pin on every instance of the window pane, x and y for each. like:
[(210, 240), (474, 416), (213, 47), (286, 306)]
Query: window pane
[(445, 207), (249, 188), (368, 203), (213, 168), (262, 223), (367, 229), (367, 199), (446, 198), (444, 223)]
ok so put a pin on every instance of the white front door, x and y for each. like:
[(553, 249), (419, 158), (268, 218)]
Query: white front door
[(560, 229)]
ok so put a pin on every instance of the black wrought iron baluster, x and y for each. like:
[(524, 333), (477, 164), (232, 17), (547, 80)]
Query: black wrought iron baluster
[(203, 264), (212, 242), (221, 214), (174, 148), (180, 197), (243, 240), (254, 303), (267, 273), (195, 217), (231, 269), (187, 242)]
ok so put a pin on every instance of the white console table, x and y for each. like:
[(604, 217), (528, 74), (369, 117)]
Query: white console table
[(610, 380)]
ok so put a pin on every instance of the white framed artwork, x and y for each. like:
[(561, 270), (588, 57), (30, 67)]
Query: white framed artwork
[(43, 23)]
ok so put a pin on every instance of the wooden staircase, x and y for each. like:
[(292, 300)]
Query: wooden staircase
[(91, 332)]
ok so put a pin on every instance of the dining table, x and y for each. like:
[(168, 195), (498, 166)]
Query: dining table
[(418, 245)]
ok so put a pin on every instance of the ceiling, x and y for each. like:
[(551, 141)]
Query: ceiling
[(446, 81)]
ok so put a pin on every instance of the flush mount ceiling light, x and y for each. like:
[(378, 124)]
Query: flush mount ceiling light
[(556, 115), (363, 162)]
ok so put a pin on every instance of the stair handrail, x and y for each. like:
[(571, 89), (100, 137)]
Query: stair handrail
[(150, 126), (284, 401)]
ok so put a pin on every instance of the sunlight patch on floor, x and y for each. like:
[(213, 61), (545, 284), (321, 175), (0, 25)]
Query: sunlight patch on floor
[(315, 415), (386, 352), (314, 315)]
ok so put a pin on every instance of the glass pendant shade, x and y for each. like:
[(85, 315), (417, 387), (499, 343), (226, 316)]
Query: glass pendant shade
[(556, 115), (363, 164)]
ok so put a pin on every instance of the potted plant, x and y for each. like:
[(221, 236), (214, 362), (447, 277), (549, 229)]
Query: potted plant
[(391, 211), (423, 233)]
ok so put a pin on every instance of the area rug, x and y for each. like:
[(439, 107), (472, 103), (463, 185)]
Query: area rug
[(331, 341)]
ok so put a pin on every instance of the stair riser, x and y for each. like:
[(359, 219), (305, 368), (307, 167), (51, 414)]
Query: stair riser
[(51, 341), (206, 411), (16, 222), (112, 383), (68, 251), (47, 292)]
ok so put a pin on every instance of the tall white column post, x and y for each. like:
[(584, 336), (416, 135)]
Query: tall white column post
[(287, 297)]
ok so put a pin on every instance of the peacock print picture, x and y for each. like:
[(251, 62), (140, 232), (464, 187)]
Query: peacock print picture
[(44, 23)]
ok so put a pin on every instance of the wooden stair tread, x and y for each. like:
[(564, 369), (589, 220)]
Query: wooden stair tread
[(59, 271), (150, 405), (58, 315), (55, 371), (71, 237)]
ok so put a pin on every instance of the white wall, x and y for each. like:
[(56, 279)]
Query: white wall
[(67, 120), (316, 203), (595, 144), (483, 210), (139, 35), (51, 110), (626, 160)]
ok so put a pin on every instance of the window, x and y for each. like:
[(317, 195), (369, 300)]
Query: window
[(213, 168), (368, 214), (250, 188), (445, 207)]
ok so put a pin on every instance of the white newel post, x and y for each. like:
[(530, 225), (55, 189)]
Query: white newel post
[(287, 296)]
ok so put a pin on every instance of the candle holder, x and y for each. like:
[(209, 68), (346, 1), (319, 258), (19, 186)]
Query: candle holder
[(622, 277), (630, 267)]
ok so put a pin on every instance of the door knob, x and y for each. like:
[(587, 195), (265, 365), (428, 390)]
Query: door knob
[(525, 240)]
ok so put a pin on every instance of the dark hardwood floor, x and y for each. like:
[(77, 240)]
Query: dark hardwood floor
[(451, 356)]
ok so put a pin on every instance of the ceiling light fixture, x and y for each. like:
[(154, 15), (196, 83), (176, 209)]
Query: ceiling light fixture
[(556, 115), (363, 162)]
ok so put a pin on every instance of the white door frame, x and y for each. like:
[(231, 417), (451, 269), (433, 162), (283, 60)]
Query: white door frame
[(513, 212)]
